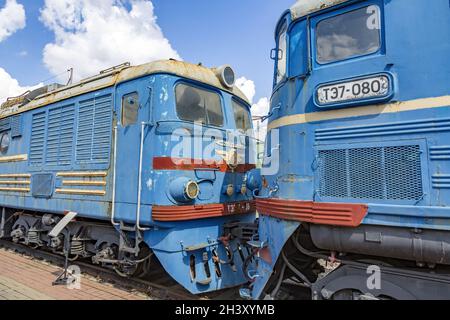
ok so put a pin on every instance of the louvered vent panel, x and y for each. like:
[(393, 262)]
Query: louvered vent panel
[(4, 124), (60, 135), (85, 130), (16, 126), (94, 130), (37, 143), (381, 173)]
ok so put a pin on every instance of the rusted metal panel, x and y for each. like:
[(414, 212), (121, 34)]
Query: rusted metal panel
[(305, 7), (115, 76)]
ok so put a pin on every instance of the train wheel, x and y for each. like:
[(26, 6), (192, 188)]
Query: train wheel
[(347, 294), (350, 294), (136, 267)]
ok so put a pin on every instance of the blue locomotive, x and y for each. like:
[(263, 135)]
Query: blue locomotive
[(355, 197), (114, 169)]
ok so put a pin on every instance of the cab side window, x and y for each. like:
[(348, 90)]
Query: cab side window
[(241, 116), (351, 34), (199, 105), (130, 108), (281, 58)]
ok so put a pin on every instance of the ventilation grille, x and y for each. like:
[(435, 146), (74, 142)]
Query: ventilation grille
[(382, 173), (16, 126), (60, 135), (4, 124), (94, 130), (37, 138)]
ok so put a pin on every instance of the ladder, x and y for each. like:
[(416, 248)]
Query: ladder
[(130, 245)]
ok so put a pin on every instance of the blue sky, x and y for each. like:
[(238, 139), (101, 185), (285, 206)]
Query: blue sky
[(239, 33)]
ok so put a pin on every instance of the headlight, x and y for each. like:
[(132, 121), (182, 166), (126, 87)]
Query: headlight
[(183, 190), (192, 190)]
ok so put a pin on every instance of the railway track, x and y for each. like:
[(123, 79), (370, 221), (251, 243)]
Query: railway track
[(157, 285)]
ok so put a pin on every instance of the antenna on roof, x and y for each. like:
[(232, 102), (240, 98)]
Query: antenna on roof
[(70, 81)]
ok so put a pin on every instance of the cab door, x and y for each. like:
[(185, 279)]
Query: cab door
[(133, 109)]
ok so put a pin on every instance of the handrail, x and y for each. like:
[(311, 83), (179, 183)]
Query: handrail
[(138, 209), (113, 205)]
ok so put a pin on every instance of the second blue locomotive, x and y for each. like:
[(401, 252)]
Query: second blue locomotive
[(355, 195)]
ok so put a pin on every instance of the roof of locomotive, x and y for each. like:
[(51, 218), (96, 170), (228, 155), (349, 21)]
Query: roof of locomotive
[(121, 74), (305, 7)]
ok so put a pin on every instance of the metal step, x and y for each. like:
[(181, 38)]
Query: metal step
[(123, 246)]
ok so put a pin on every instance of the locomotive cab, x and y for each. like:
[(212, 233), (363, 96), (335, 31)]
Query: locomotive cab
[(356, 124)]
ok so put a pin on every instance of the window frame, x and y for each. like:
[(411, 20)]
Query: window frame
[(204, 88), (338, 12), (282, 29), (5, 135), (123, 109), (247, 109)]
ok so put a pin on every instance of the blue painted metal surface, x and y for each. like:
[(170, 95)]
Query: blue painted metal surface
[(72, 141), (341, 153)]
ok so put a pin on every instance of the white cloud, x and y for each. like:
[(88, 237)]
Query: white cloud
[(91, 35), (9, 87), (12, 19), (261, 108), (247, 87)]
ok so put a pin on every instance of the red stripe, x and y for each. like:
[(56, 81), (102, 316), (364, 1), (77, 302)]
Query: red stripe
[(337, 214), (184, 213), (168, 163)]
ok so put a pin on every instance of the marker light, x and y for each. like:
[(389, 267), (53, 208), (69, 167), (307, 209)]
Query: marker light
[(230, 190)]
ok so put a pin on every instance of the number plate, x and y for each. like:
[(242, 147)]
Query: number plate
[(375, 87)]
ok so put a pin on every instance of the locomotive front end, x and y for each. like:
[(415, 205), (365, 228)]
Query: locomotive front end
[(196, 209)]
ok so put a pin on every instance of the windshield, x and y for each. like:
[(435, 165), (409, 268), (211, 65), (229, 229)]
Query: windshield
[(199, 105)]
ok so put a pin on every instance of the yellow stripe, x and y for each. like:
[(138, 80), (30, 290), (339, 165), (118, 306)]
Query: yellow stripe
[(20, 157), (20, 175), (15, 189), (83, 174), (81, 192), (82, 183), (15, 182), (418, 104)]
